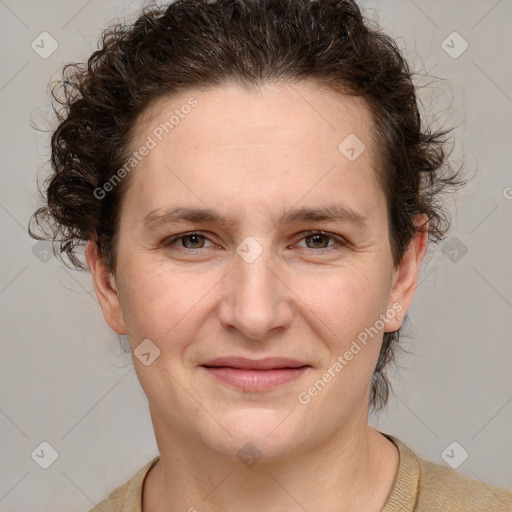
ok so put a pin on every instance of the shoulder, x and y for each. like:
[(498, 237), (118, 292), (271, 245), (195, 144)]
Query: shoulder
[(127, 497), (440, 487)]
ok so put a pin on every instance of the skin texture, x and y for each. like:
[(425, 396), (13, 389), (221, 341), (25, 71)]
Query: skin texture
[(251, 156)]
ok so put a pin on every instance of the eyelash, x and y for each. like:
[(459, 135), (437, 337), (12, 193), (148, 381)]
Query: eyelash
[(340, 242)]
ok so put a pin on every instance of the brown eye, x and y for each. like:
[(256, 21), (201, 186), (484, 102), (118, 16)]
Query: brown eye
[(187, 241), (318, 241), (193, 241), (321, 240)]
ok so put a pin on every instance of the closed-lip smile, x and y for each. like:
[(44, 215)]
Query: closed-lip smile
[(255, 375)]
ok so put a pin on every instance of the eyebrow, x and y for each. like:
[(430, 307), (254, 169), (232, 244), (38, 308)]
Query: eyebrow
[(328, 213)]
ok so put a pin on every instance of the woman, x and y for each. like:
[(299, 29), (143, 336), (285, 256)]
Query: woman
[(256, 193)]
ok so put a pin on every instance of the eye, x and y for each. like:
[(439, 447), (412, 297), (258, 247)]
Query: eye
[(320, 240), (188, 241), (313, 240)]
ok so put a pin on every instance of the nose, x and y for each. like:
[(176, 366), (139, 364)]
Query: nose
[(257, 301)]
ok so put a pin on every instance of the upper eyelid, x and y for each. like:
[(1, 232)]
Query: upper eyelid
[(171, 239), (302, 234), (310, 232)]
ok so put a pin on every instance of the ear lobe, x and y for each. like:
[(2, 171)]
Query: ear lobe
[(406, 277), (106, 289)]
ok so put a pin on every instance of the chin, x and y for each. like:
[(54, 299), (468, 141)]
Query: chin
[(256, 433)]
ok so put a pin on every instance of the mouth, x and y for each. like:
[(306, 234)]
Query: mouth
[(255, 375)]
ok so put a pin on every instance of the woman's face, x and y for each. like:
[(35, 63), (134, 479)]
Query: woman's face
[(255, 229)]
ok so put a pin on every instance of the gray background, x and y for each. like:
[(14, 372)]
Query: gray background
[(65, 379)]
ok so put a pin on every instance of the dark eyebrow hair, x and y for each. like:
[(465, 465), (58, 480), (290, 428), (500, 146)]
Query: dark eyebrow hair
[(328, 213)]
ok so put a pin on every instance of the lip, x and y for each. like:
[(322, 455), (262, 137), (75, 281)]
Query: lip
[(243, 363), (255, 374)]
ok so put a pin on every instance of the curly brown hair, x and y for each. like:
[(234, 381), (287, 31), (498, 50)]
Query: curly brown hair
[(199, 43)]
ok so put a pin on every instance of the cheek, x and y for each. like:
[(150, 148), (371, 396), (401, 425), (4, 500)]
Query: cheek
[(346, 300), (157, 301), (165, 303)]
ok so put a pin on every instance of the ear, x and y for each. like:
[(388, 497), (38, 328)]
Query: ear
[(105, 287), (405, 277)]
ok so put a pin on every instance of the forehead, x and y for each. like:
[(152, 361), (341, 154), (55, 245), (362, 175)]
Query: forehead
[(272, 143), (270, 113)]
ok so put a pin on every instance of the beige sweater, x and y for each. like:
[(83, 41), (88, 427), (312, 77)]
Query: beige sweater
[(420, 486)]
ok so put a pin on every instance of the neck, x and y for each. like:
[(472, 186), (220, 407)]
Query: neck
[(353, 469)]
